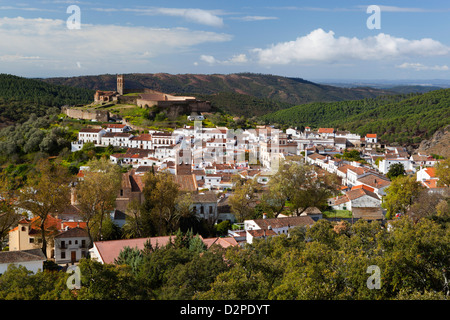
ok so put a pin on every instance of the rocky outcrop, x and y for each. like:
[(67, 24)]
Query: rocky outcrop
[(438, 144)]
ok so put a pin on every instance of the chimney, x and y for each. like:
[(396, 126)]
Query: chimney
[(264, 215)]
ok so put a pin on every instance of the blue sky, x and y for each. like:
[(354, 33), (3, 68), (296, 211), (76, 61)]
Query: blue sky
[(308, 39)]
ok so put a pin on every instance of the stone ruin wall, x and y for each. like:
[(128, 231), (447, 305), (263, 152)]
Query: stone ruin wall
[(99, 115)]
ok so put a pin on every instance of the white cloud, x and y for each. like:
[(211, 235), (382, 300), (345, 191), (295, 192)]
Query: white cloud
[(321, 46), (194, 15), (94, 45), (199, 16), (17, 57), (404, 9), (208, 59), (421, 67), (239, 58), (236, 59), (254, 18)]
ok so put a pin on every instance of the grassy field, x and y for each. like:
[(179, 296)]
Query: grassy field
[(337, 214)]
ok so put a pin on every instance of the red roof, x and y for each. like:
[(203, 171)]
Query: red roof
[(326, 130), (371, 135), (431, 172), (361, 186)]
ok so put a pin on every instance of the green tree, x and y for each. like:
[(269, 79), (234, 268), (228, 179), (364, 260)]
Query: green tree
[(107, 282), (97, 192), (302, 186), (8, 215), (395, 170), (400, 195), (194, 277), (243, 199), (159, 207), (443, 172), (47, 192)]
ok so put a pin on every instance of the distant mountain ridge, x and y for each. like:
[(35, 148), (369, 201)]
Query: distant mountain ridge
[(293, 91)]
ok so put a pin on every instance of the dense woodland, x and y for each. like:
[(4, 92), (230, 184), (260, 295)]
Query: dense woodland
[(402, 119), (325, 262), (20, 97)]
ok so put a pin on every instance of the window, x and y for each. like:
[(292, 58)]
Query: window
[(63, 254), (31, 240)]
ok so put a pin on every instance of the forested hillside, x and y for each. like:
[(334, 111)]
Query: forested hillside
[(405, 119), (19, 97), (263, 86), (238, 104)]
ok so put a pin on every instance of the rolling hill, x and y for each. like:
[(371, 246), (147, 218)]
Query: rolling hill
[(289, 91), (19, 97)]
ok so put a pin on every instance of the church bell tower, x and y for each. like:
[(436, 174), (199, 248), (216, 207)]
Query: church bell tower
[(120, 84)]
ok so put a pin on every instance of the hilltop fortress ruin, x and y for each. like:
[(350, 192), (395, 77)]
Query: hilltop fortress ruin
[(144, 98)]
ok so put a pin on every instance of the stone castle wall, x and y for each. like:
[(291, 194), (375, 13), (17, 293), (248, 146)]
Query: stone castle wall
[(99, 115)]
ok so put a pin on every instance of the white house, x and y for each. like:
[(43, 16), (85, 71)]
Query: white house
[(385, 164), (71, 245), (426, 174), (261, 228), (371, 138), (32, 259), (118, 139), (143, 141), (117, 128), (204, 204), (375, 181), (358, 197), (419, 160), (91, 135)]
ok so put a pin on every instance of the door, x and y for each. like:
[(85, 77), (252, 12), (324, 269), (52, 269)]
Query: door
[(73, 256)]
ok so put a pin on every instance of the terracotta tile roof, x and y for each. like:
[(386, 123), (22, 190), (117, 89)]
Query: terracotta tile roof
[(74, 224), (368, 213), (90, 130), (22, 256), (315, 156), (340, 200), (360, 192), (430, 183), (363, 187), (186, 182), (284, 222), (143, 137), (374, 181), (431, 172), (204, 197), (117, 126), (326, 130), (73, 233), (223, 242), (262, 232), (371, 135), (110, 250), (359, 170)]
